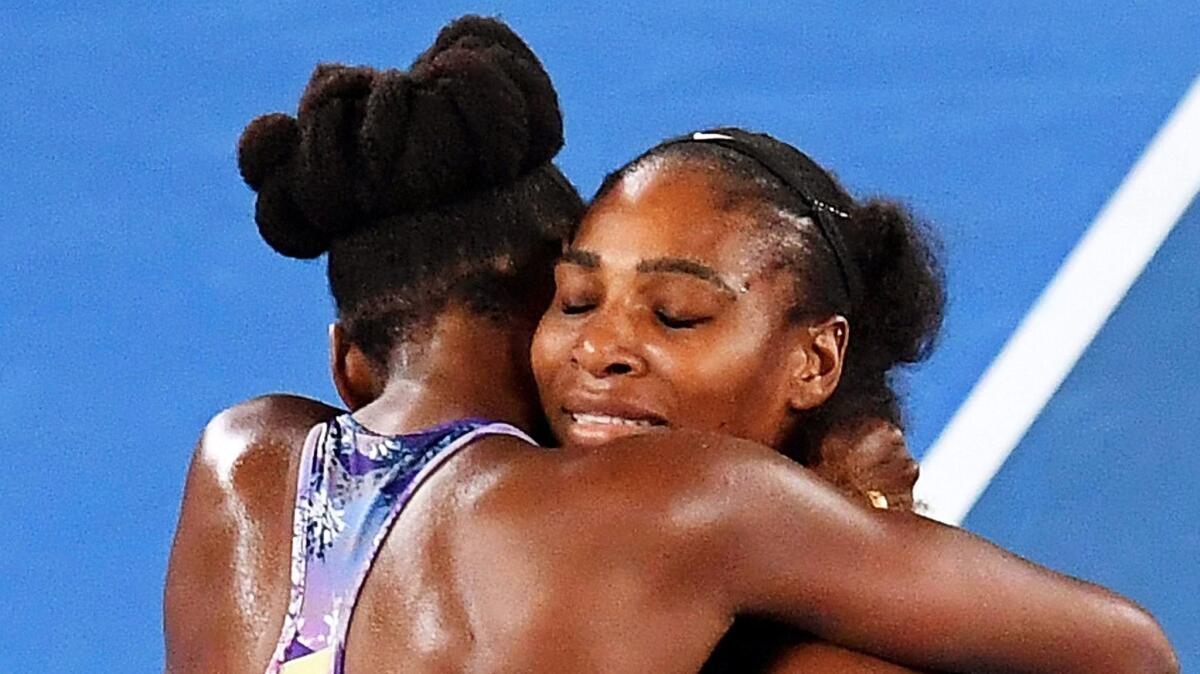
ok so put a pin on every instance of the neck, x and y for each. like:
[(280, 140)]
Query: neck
[(466, 366)]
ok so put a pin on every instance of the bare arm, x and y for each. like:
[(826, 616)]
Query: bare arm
[(220, 604), (907, 588), (824, 657), (868, 460), (202, 560)]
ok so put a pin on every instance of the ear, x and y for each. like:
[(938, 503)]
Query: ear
[(353, 373), (816, 363)]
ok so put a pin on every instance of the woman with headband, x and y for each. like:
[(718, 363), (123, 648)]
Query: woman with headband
[(723, 281)]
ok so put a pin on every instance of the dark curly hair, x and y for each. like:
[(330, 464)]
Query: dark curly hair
[(424, 186), (886, 277)]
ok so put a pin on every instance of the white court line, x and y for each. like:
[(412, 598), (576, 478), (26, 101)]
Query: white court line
[(1064, 320)]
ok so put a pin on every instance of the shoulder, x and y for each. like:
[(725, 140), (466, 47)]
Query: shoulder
[(245, 453), (727, 495), (243, 465), (263, 428), (680, 486), (683, 460), (647, 474)]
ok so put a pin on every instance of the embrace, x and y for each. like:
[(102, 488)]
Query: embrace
[(650, 433)]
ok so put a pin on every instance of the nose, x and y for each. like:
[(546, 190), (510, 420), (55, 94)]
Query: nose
[(603, 352)]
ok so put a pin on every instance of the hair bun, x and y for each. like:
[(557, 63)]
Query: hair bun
[(500, 89), (476, 32), (266, 159), (266, 146), (476, 110), (497, 45)]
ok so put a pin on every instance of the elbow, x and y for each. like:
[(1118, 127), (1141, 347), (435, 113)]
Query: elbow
[(1146, 650)]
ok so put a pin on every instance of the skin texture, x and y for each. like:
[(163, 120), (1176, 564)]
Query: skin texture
[(815, 656), (514, 559), (629, 557)]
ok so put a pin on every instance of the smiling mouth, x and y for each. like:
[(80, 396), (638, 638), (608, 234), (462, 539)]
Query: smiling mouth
[(597, 427), (608, 420)]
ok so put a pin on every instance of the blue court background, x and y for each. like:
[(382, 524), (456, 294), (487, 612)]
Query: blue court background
[(136, 298)]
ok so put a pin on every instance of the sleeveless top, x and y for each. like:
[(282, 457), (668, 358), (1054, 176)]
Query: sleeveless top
[(352, 484)]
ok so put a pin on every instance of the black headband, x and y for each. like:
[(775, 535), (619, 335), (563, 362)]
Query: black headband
[(824, 211)]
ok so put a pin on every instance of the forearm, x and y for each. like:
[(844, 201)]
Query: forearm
[(970, 606), (820, 656), (920, 593), (1036, 619)]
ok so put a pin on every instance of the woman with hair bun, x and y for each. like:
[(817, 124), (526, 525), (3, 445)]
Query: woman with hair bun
[(433, 195), (426, 530)]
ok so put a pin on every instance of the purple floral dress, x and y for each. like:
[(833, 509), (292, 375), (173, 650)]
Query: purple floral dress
[(352, 484)]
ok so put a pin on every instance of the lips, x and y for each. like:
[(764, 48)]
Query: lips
[(603, 419), (593, 421)]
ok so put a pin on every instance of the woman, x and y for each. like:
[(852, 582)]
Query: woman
[(709, 288), (434, 195)]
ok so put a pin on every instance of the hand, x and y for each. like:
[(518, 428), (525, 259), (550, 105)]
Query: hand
[(867, 458)]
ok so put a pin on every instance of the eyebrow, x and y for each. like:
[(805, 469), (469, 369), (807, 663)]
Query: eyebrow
[(658, 265), (678, 265), (583, 258)]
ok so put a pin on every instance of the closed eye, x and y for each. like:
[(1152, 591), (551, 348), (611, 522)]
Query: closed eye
[(573, 308), (679, 322)]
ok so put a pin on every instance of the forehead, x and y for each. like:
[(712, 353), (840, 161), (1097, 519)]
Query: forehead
[(674, 212)]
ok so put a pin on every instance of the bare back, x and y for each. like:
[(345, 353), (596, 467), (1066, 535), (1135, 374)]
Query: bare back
[(507, 562), (631, 558), (510, 558)]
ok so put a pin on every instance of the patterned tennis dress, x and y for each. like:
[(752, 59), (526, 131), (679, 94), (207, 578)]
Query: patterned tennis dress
[(352, 484)]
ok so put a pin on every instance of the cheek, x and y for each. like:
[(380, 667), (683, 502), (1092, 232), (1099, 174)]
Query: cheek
[(732, 354), (725, 380), (549, 352)]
